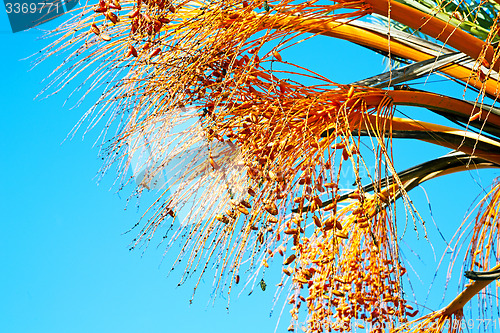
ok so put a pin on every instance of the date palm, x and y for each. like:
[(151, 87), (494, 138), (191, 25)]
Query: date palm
[(252, 157)]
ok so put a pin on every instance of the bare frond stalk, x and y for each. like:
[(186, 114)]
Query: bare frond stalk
[(379, 42), (438, 29), (466, 295)]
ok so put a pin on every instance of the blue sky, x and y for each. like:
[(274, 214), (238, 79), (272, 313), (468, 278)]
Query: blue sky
[(65, 263)]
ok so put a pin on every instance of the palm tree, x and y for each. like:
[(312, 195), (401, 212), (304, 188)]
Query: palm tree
[(200, 92)]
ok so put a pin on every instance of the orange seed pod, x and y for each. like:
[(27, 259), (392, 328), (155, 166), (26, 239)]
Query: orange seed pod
[(338, 293), (210, 159), (330, 206), (290, 259), (95, 29), (338, 225), (155, 53), (341, 235), (475, 116), (112, 17), (271, 208), (291, 231), (277, 56), (272, 219), (134, 13), (317, 221), (243, 210), (350, 92), (245, 203)]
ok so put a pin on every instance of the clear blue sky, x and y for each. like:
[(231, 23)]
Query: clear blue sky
[(65, 265)]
